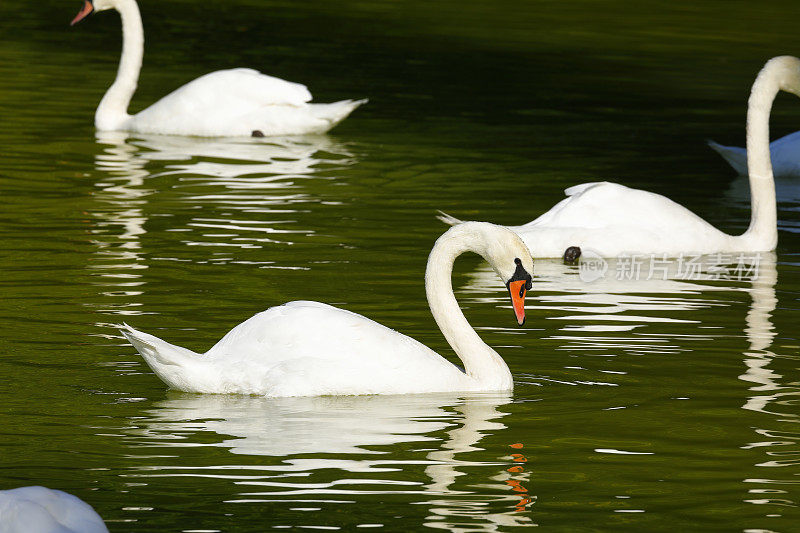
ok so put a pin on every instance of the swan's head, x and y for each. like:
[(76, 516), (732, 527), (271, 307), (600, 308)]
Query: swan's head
[(786, 70), (518, 285), (509, 257), (93, 6)]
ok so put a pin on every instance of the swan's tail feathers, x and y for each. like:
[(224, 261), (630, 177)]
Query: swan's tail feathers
[(170, 363), (735, 156), (337, 111), (448, 219)]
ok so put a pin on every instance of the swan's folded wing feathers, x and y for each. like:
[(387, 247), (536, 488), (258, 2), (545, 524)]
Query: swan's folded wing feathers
[(308, 329), (218, 97), (581, 187), (310, 348), (579, 202), (611, 205)]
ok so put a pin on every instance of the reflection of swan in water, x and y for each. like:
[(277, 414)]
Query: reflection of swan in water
[(119, 220), (317, 435), (296, 156), (618, 305), (298, 425), (772, 396), (226, 185), (760, 334), (246, 177), (478, 419), (609, 315), (630, 294)]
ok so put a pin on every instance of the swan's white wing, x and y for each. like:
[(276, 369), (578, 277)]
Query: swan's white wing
[(234, 90), (212, 104), (610, 219), (604, 205), (304, 349)]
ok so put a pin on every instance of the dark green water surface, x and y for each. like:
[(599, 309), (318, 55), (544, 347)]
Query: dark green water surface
[(650, 405)]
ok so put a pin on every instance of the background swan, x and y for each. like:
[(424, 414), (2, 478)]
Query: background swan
[(42, 510), (233, 102), (611, 219), (784, 153), (310, 348)]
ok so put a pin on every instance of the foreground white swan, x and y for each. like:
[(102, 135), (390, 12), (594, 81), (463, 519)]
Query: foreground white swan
[(611, 219), (784, 153), (224, 103), (42, 510), (309, 348)]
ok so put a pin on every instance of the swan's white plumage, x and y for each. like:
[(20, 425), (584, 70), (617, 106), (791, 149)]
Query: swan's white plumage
[(308, 348), (784, 153), (41, 510), (235, 102), (303, 348), (610, 219)]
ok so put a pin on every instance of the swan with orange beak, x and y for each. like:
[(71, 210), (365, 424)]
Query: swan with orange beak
[(235, 102), (307, 348)]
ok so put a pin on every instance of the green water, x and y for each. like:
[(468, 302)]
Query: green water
[(662, 405)]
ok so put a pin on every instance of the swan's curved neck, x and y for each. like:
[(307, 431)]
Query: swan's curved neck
[(112, 113), (763, 228), (481, 362)]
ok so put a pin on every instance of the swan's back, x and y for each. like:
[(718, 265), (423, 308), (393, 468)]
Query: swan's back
[(604, 204), (307, 348), (228, 102), (42, 510), (610, 219)]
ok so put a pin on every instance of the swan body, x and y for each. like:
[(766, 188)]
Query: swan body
[(234, 102), (610, 219), (42, 510), (591, 218), (784, 154), (307, 348)]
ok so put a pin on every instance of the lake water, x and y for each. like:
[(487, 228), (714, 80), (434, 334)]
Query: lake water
[(660, 404)]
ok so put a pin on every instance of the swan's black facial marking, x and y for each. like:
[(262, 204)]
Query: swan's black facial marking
[(519, 283), (257, 133), (572, 254), (520, 274)]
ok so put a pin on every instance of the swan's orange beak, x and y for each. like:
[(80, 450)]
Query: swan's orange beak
[(517, 289), (87, 8)]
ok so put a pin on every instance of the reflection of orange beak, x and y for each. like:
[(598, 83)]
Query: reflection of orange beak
[(87, 8), (517, 291)]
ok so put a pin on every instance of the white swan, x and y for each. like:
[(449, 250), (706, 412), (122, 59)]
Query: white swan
[(235, 102), (784, 153), (41, 510), (309, 348), (611, 219)]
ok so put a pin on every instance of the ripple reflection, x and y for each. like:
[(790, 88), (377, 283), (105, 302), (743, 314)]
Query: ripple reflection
[(335, 449), (214, 201), (616, 312)]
